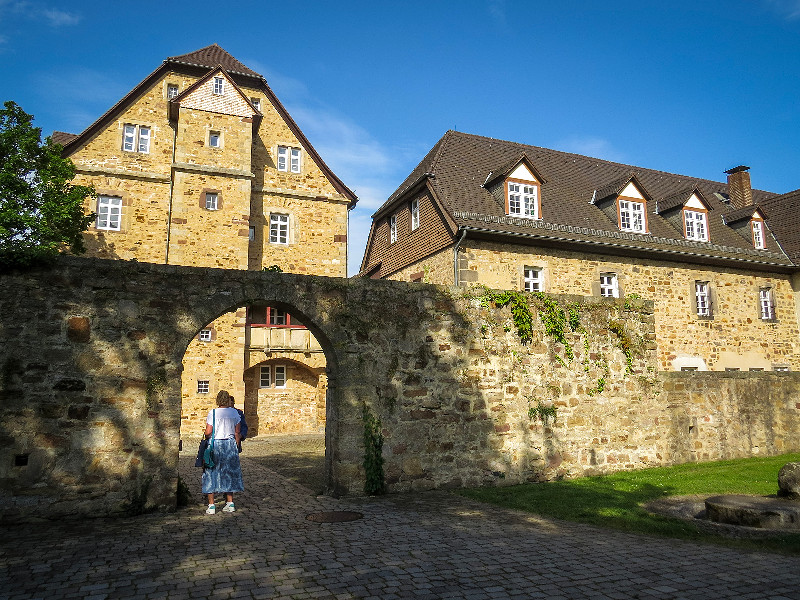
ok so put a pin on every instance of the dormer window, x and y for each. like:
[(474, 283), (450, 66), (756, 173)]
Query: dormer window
[(695, 225), (759, 242), (522, 199), (631, 216)]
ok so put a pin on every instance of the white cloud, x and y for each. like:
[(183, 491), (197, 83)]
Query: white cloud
[(590, 146), (36, 11), (59, 18), (788, 9)]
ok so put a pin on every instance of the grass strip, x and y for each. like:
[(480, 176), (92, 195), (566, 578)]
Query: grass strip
[(616, 501)]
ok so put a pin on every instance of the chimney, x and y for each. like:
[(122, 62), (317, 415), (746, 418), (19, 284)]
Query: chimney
[(739, 189)]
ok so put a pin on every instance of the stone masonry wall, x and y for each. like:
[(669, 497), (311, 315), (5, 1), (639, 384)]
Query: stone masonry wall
[(90, 395)]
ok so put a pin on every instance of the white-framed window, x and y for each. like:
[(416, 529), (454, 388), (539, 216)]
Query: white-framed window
[(278, 229), (265, 379), (631, 216), (414, 214), (136, 138), (172, 91), (256, 102), (219, 86), (203, 386), (392, 229), (288, 159), (272, 376), (277, 317), (534, 282), (696, 225), (205, 335), (212, 200), (609, 286), (702, 294), (280, 376), (766, 303), (109, 213), (758, 235), (781, 368), (522, 200), (214, 139)]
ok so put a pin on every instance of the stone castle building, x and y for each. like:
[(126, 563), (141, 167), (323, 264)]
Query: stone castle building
[(719, 260), (201, 165)]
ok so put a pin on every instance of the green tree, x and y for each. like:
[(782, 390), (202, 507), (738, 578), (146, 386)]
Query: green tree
[(41, 212)]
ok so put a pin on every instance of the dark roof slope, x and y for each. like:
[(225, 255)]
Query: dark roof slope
[(782, 214), (459, 164), (63, 138), (212, 56)]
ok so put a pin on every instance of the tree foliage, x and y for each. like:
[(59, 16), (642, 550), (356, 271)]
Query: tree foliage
[(41, 212)]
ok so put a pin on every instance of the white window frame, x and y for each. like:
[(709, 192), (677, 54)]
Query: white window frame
[(279, 229), (414, 214), (277, 317), (609, 285), (631, 216), (392, 229), (279, 379), (696, 225), (218, 88), (172, 91), (204, 335), (215, 139), (109, 213), (265, 377), (289, 159), (757, 227), (533, 279), (203, 386), (136, 138), (523, 200), (702, 294), (212, 201), (256, 102), (766, 303)]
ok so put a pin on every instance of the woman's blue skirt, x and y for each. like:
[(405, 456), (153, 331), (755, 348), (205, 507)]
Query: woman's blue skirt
[(226, 476)]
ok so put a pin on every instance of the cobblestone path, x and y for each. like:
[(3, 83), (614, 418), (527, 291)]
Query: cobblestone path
[(433, 545)]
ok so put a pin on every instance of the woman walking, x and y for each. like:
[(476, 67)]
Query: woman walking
[(223, 423)]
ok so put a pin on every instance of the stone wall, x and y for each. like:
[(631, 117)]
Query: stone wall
[(90, 392)]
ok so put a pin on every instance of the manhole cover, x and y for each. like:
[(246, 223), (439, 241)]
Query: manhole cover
[(336, 516)]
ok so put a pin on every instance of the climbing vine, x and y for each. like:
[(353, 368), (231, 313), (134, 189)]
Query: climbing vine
[(624, 341), (542, 412), (373, 453)]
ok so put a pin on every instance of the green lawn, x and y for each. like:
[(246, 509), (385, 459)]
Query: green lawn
[(616, 500)]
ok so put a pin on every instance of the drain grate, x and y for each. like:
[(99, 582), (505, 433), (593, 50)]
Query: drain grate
[(335, 516)]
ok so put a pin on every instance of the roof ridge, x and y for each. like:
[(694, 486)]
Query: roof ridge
[(212, 55)]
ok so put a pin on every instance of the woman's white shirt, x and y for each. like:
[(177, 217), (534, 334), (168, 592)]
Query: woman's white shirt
[(226, 421)]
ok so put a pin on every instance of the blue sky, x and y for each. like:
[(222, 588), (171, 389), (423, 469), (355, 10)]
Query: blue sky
[(686, 87)]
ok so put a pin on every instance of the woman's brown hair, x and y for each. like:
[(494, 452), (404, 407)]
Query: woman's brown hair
[(223, 399)]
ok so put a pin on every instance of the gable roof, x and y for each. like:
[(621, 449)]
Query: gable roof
[(459, 163), (199, 63), (679, 199), (507, 168), (616, 187)]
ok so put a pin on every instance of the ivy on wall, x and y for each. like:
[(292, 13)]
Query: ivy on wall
[(374, 483)]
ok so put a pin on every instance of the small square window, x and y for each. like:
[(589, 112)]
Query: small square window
[(256, 103), (277, 317), (688, 368), (609, 286), (212, 200), (278, 229), (203, 386), (205, 335), (265, 379), (172, 91), (214, 139), (781, 368), (251, 233), (533, 279), (280, 376), (219, 86)]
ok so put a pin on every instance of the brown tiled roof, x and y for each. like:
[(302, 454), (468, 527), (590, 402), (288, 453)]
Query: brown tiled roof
[(746, 212), (678, 199), (782, 214), (212, 56), (459, 164), (63, 138)]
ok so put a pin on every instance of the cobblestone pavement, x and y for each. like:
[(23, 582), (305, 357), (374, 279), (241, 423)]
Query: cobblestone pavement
[(432, 545)]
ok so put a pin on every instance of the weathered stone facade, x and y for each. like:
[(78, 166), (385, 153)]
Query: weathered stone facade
[(211, 141), (90, 395), (734, 338)]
